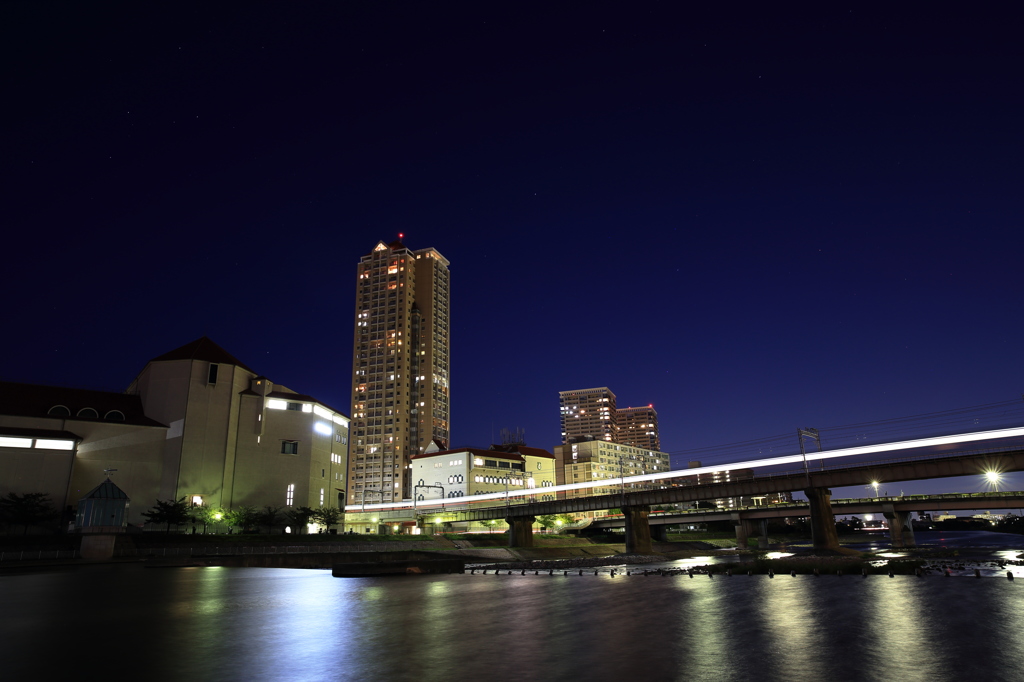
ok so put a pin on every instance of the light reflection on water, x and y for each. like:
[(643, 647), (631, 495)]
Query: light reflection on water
[(891, 607), (254, 624), (791, 625)]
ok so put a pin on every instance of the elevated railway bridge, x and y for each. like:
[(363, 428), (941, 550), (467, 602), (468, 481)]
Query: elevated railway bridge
[(838, 468)]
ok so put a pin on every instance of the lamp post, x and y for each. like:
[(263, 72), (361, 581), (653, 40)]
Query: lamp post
[(875, 485)]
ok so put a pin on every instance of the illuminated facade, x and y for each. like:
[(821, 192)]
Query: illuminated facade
[(452, 474), (195, 423), (601, 461), (400, 373)]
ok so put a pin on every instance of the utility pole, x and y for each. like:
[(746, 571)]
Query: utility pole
[(816, 437)]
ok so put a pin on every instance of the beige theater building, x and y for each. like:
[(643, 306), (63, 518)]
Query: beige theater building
[(195, 423)]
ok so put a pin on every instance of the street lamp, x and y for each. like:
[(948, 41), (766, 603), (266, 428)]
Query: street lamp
[(875, 485), (993, 478)]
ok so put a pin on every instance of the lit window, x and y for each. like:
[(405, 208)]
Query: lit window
[(290, 495), (275, 404), (47, 444), (8, 442), (323, 429)]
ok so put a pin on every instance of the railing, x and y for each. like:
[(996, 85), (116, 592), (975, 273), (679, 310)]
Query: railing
[(37, 554)]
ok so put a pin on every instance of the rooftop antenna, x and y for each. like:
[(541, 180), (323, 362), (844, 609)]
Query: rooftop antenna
[(510, 437)]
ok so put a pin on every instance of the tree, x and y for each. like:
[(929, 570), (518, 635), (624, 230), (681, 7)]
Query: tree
[(206, 515), (299, 517), (547, 521), (243, 518), (566, 519), (26, 510), (326, 516), (269, 517), (169, 512)]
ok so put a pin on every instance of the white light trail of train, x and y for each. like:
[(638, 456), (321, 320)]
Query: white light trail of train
[(676, 473)]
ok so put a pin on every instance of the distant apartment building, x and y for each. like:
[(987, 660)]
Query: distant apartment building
[(196, 423), (591, 414), (638, 427), (400, 372)]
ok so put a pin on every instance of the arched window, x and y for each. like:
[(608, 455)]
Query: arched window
[(114, 416), (59, 411), (88, 413)]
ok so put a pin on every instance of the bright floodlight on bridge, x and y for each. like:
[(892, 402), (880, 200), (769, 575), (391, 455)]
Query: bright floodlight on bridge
[(993, 476)]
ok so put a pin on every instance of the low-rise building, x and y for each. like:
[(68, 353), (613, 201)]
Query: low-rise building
[(195, 423)]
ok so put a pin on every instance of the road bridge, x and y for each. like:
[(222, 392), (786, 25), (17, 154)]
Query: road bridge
[(896, 510), (815, 484)]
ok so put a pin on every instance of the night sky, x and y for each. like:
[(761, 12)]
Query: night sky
[(755, 220)]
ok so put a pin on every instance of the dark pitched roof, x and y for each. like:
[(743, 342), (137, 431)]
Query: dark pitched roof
[(106, 491), (533, 452), (202, 349), (38, 433), (522, 449), (32, 400)]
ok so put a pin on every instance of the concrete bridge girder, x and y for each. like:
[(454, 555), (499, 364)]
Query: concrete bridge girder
[(901, 528), (638, 531), (520, 531)]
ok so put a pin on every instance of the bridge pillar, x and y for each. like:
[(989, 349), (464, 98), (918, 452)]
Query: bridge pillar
[(660, 532), (520, 531), (823, 521), (901, 528), (638, 530), (744, 529), (762, 540)]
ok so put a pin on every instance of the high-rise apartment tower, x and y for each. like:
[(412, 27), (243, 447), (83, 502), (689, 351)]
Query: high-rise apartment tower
[(587, 414), (638, 427), (400, 369)]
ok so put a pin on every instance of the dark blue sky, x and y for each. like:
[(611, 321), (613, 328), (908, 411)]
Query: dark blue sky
[(753, 219)]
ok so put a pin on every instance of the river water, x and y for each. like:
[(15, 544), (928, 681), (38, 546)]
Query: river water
[(284, 624)]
